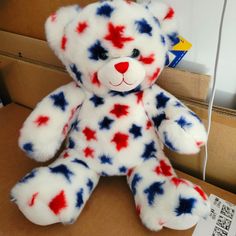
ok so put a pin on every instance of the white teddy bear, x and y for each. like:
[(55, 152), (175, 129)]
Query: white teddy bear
[(115, 117)]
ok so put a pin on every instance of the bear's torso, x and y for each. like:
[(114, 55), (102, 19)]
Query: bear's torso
[(113, 133)]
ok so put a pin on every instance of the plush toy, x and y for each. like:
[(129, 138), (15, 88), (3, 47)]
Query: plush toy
[(116, 119)]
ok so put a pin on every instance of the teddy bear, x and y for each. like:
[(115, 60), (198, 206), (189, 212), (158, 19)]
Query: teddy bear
[(116, 120)]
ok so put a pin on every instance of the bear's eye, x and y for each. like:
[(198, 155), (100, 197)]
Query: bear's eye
[(103, 55), (135, 53)]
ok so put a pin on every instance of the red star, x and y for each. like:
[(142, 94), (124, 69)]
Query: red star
[(53, 17), (121, 140), (200, 191), (119, 110), (163, 169), (115, 35), (65, 129), (139, 96), (177, 181), (58, 203), (138, 209), (42, 120), (88, 152), (149, 124), (147, 60), (32, 200), (95, 80), (155, 75), (72, 112), (63, 42), (66, 155), (130, 171), (169, 14), (89, 134), (81, 27)]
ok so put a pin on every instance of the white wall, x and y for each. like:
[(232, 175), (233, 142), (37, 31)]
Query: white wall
[(199, 23)]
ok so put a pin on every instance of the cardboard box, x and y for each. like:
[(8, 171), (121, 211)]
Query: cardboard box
[(29, 71), (110, 210)]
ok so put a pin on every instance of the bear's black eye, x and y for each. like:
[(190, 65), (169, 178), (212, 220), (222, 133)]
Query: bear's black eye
[(135, 53), (103, 56)]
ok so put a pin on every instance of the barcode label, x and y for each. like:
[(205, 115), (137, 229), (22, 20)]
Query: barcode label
[(221, 220)]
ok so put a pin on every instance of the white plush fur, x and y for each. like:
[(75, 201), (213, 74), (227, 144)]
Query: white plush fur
[(115, 119)]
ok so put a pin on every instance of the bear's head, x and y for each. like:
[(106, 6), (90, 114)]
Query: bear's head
[(113, 45)]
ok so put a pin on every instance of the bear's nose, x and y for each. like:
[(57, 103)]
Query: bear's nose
[(122, 67)]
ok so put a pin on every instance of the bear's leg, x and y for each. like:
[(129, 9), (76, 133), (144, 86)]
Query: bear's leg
[(56, 193), (163, 200)]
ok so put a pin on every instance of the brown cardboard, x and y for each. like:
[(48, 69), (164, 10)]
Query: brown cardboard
[(178, 82), (28, 17), (110, 210)]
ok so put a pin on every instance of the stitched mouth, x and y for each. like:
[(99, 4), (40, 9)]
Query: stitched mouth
[(123, 80)]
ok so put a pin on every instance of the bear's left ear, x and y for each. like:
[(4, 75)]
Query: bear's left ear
[(166, 17), (55, 27)]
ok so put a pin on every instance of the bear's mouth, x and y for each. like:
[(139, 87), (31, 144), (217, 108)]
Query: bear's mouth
[(122, 81)]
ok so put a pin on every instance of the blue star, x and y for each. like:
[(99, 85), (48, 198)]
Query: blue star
[(96, 50), (162, 100), (104, 173), (173, 38), (77, 73), (186, 206), (106, 123), (90, 185), (152, 190), (59, 100), (167, 61), (149, 151), (158, 119), (194, 115), (80, 162), (123, 169), (97, 101), (136, 131), (163, 40), (71, 144), (62, 169), (178, 104), (134, 183), (183, 123), (168, 143), (75, 125), (105, 10), (28, 176), (106, 160), (28, 147), (79, 198), (143, 27)]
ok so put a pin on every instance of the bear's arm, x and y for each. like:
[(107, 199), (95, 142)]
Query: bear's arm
[(178, 127), (48, 124)]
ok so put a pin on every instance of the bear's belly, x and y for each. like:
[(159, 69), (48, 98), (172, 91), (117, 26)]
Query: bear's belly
[(114, 137)]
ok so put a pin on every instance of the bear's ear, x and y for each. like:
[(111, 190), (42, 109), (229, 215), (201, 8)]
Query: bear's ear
[(166, 17), (55, 26)]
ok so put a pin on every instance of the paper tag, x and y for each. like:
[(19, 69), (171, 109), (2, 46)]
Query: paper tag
[(178, 51), (221, 220)]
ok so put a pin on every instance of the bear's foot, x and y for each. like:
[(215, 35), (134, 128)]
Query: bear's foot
[(163, 200), (57, 193)]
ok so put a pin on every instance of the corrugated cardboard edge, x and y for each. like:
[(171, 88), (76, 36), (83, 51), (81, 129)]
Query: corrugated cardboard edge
[(177, 82)]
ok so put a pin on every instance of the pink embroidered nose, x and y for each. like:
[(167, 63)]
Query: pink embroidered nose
[(122, 67)]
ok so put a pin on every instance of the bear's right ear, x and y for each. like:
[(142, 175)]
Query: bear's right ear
[(55, 26)]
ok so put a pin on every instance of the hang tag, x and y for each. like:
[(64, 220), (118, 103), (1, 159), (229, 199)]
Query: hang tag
[(178, 51), (221, 220)]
